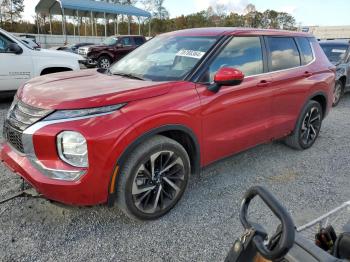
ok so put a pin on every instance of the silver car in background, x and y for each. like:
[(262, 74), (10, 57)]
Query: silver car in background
[(338, 52)]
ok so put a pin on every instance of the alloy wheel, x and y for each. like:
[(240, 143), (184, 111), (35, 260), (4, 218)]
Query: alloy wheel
[(337, 92), (158, 182), (104, 63), (311, 126)]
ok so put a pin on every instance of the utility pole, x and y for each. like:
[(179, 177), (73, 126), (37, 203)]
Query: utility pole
[(1, 12), (11, 14)]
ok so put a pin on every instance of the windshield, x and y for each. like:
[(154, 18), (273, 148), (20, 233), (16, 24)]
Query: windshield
[(110, 41), (25, 42), (165, 58), (335, 53)]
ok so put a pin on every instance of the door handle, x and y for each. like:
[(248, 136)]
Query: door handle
[(307, 74), (263, 83)]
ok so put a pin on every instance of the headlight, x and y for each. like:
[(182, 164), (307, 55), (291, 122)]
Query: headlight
[(64, 114), (72, 148)]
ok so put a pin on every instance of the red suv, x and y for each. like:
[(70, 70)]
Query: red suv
[(133, 134)]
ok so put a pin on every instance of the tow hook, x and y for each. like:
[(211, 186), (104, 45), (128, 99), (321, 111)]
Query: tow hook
[(29, 192)]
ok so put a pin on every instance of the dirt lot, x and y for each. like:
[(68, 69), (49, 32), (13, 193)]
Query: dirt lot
[(203, 225)]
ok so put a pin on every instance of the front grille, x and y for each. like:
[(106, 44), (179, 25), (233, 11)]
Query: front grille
[(14, 137), (82, 51), (19, 118)]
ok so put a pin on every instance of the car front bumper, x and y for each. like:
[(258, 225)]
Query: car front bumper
[(93, 187), (65, 192)]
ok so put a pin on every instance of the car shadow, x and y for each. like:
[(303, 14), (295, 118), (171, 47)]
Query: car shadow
[(5, 98)]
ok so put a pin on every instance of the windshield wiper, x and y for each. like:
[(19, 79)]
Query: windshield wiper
[(130, 76)]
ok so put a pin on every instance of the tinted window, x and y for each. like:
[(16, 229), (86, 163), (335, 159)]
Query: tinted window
[(243, 53), (284, 53), (126, 41), (4, 43), (305, 49), (139, 40), (335, 52), (110, 41)]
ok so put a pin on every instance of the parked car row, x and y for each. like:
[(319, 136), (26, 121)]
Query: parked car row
[(72, 48), (133, 134), (21, 61), (111, 50)]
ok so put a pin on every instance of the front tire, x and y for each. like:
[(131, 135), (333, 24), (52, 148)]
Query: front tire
[(307, 128), (153, 178), (104, 62)]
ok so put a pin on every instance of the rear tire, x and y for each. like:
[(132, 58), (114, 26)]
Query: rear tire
[(307, 128), (338, 92), (153, 178)]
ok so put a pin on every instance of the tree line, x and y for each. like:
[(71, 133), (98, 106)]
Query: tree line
[(218, 15)]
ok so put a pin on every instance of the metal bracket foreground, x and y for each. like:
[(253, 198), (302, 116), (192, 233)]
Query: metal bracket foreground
[(24, 193)]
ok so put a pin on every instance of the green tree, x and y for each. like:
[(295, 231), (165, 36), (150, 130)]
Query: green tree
[(286, 21), (156, 7), (11, 10)]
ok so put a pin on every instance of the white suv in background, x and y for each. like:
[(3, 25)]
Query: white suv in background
[(20, 62)]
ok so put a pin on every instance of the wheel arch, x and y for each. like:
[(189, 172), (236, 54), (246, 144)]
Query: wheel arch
[(107, 55), (180, 133), (321, 98), (55, 69), (342, 79)]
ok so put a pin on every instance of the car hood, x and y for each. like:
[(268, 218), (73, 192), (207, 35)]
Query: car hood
[(58, 54), (97, 47), (87, 89)]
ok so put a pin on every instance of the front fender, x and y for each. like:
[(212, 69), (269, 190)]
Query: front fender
[(48, 62), (142, 130)]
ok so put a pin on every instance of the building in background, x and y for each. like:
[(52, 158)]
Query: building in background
[(328, 32)]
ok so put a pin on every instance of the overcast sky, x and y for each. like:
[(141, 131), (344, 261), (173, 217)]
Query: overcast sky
[(306, 12)]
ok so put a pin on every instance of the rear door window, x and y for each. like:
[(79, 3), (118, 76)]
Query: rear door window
[(284, 53), (305, 49)]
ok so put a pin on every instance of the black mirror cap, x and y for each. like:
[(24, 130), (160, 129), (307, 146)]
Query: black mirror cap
[(216, 86), (15, 48)]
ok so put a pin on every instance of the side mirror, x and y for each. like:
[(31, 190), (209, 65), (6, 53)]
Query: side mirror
[(14, 48), (120, 45), (226, 76)]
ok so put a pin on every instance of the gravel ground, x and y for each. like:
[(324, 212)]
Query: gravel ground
[(203, 225)]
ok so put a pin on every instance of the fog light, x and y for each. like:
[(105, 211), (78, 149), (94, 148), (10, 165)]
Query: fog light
[(72, 148)]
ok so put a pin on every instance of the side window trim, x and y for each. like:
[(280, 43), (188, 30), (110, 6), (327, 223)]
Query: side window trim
[(301, 55), (265, 55)]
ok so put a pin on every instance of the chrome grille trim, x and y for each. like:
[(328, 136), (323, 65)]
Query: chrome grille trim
[(19, 118)]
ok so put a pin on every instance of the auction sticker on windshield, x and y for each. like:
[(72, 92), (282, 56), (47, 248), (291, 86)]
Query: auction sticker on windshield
[(191, 53), (339, 51)]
